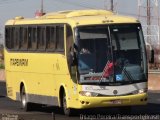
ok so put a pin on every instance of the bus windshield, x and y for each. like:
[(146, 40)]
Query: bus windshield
[(111, 54)]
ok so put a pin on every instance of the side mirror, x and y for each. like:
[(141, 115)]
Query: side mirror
[(72, 57), (151, 56), (75, 47)]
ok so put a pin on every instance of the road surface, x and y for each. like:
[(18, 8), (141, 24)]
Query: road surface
[(11, 110)]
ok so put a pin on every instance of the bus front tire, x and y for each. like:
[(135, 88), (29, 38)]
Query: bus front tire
[(26, 106), (67, 111)]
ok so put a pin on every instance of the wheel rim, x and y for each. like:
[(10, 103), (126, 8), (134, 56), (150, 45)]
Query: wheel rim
[(23, 100), (64, 103)]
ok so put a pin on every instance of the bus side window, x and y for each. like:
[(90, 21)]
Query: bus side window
[(60, 38), (10, 40), (32, 38), (16, 37), (69, 42), (69, 39), (23, 38), (41, 41), (50, 38), (8, 37)]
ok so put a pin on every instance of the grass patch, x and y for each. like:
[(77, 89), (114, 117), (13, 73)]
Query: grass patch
[(2, 66)]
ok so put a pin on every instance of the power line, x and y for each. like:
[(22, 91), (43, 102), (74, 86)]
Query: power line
[(112, 5)]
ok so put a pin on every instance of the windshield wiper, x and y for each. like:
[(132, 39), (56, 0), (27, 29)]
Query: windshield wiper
[(128, 75)]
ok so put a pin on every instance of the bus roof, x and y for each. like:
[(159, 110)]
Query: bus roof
[(75, 18)]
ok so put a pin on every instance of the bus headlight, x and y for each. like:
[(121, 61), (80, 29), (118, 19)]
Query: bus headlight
[(88, 94), (141, 91)]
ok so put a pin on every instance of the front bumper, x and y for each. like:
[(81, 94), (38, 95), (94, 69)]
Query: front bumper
[(93, 102)]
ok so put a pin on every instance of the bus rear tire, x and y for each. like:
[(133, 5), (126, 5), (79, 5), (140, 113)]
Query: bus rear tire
[(67, 111), (26, 106)]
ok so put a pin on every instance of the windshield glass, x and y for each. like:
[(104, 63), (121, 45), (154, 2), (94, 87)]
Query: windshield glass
[(128, 53), (110, 54)]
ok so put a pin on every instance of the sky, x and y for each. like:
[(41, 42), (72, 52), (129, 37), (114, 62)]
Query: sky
[(27, 8), (12, 8)]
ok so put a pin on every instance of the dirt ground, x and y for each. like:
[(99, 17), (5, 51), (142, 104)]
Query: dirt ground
[(154, 81)]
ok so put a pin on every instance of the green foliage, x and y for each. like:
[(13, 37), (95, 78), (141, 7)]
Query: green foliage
[(1, 66)]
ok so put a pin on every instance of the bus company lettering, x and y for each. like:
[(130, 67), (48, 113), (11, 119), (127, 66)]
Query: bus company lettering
[(18, 62)]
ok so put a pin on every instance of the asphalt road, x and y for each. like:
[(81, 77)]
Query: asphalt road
[(11, 110)]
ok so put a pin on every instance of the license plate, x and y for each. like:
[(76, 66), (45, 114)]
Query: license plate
[(116, 101)]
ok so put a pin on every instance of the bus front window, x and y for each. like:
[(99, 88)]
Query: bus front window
[(128, 53), (111, 54), (93, 53)]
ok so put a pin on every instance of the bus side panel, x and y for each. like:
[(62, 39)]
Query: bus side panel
[(41, 74)]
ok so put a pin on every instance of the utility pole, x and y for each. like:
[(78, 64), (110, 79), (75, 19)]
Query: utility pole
[(112, 5), (42, 7), (148, 12), (40, 12), (149, 16)]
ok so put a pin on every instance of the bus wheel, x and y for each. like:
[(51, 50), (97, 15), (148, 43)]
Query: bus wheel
[(25, 105), (67, 111)]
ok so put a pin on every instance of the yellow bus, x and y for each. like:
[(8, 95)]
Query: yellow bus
[(76, 60)]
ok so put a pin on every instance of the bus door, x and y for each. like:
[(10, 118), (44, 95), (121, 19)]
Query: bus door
[(72, 66)]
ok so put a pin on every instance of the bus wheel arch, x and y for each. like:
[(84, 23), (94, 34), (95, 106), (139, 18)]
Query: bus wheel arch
[(61, 92), (26, 106), (63, 102), (21, 86)]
